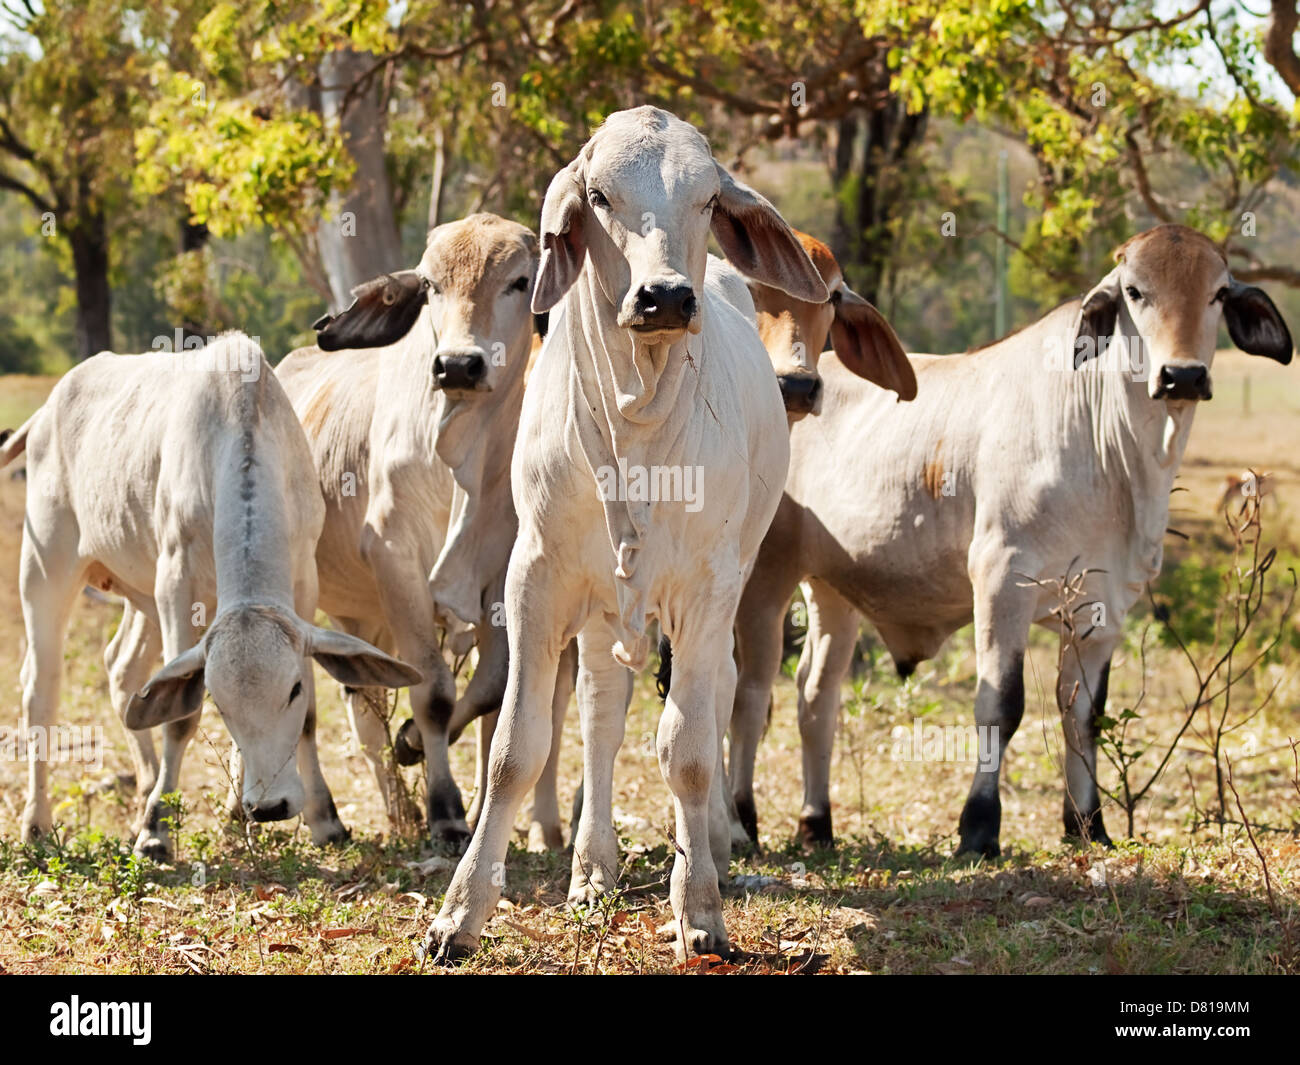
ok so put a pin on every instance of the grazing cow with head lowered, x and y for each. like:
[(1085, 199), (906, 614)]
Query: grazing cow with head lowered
[(1052, 450), (649, 377), (183, 483), (411, 405)]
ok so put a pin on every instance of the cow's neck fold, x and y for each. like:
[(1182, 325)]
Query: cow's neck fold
[(1137, 446), (632, 402)]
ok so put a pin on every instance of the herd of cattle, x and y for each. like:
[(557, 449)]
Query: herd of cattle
[(404, 478)]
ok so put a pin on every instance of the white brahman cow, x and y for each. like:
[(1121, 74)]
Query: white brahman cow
[(411, 404), (1048, 451), (183, 483), (651, 456)]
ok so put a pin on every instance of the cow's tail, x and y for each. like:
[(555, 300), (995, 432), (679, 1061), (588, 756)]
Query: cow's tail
[(14, 442), (664, 674)]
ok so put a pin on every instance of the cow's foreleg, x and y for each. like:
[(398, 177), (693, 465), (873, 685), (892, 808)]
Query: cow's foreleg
[(1003, 611), (544, 831), (688, 755), (47, 599), (758, 635), (409, 616), (827, 652), (603, 689), (1081, 692), (487, 726), (129, 660), (318, 810), (519, 751), (180, 621)]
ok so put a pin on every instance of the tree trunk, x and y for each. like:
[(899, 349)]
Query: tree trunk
[(439, 177), (194, 237), (89, 240), (359, 238), (868, 186)]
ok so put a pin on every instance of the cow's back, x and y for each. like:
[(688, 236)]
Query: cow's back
[(134, 447)]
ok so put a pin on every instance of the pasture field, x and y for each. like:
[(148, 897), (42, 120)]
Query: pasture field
[(1178, 898)]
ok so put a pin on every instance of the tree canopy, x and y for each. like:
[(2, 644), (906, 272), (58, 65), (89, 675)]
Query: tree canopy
[(203, 164)]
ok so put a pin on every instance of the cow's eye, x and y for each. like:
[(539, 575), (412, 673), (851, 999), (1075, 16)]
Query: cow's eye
[(712, 205), (1133, 294), (295, 691), (597, 198), (519, 284), (1220, 296)]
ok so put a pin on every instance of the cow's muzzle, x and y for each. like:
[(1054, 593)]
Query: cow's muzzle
[(663, 305), (1184, 382), (460, 372), (799, 392)]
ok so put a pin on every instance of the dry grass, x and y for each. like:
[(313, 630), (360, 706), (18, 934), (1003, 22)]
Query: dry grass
[(889, 899)]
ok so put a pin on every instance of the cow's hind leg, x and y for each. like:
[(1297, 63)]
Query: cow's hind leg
[(603, 686), (544, 831), (47, 596), (129, 660), (827, 652), (1003, 612), (759, 638), (1081, 694)]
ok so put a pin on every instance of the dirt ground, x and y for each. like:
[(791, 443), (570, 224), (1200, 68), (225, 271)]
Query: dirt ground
[(1178, 897)]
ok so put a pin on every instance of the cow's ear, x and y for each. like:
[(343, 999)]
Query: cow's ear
[(355, 663), (1097, 316), (1254, 323), (760, 244), (564, 244), (868, 346), (381, 313), (174, 692)]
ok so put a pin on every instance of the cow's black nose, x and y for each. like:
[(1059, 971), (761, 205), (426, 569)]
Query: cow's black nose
[(799, 391), (456, 372), (269, 811), (663, 305), (1184, 382)]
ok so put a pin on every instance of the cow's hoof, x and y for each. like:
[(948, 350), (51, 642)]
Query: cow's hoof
[(748, 816), (588, 891), (34, 830), (703, 941), (1080, 828), (979, 826), (336, 835), (543, 838), (443, 945), (741, 843), (153, 848), (450, 835), (974, 849), (815, 831), (408, 748)]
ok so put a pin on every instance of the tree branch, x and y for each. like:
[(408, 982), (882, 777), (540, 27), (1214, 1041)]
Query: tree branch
[(1279, 43), (14, 185)]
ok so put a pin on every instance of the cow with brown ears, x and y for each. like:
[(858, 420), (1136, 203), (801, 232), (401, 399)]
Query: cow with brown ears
[(1051, 450)]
